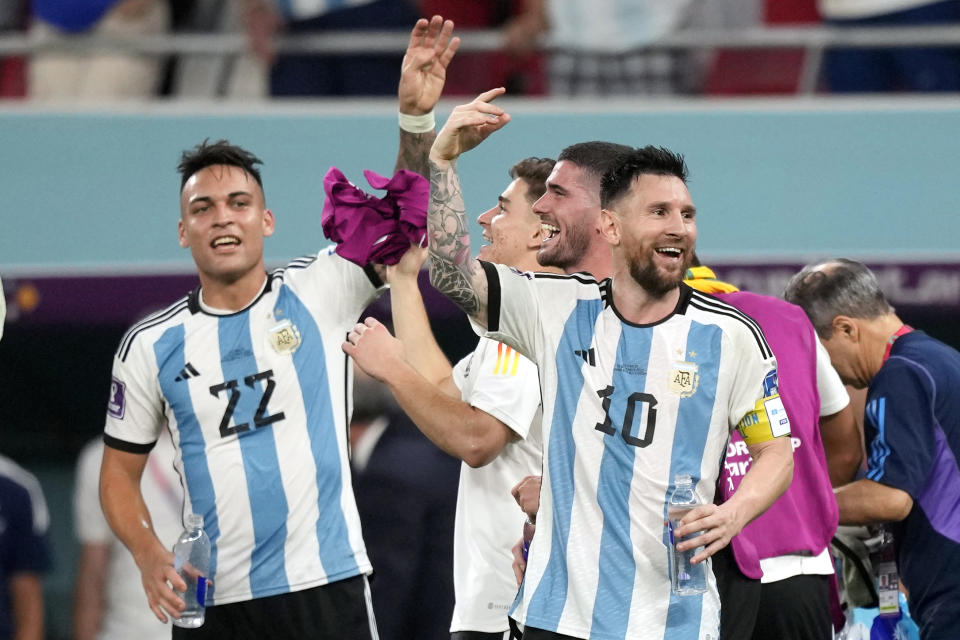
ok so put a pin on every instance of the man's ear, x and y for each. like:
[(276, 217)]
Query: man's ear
[(268, 223), (847, 327), (181, 236), (609, 226)]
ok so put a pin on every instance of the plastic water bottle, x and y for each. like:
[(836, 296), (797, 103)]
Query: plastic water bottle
[(191, 559), (529, 528), (685, 578)]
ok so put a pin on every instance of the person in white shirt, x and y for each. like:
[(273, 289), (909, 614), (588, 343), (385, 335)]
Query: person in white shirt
[(108, 599)]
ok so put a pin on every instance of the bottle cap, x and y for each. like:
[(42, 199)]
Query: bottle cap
[(682, 478), (194, 520)]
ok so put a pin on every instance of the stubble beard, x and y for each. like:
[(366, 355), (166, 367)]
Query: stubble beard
[(653, 281), (568, 255)]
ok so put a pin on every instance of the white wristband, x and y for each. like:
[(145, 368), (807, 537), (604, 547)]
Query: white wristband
[(418, 124)]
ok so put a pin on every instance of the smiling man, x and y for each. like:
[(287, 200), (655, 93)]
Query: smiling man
[(622, 422), (246, 375), (570, 210)]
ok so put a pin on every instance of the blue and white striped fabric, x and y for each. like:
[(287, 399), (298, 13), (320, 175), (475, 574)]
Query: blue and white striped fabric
[(626, 409), (258, 404)]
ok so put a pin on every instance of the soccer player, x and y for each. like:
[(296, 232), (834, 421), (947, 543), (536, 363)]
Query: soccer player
[(911, 428), (499, 388), (671, 372), (246, 375), (484, 411)]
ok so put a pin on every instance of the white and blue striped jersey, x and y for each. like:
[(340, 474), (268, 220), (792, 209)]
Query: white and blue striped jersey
[(258, 404), (626, 408)]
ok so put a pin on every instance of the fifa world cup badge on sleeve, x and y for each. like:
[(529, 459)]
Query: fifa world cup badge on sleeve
[(284, 337), (115, 406)]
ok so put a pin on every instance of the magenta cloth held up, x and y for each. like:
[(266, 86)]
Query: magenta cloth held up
[(371, 229)]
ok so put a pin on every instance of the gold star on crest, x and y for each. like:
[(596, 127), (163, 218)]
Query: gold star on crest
[(693, 354)]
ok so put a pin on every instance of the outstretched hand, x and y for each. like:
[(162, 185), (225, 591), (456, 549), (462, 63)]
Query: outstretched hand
[(373, 349), (469, 125), (424, 69)]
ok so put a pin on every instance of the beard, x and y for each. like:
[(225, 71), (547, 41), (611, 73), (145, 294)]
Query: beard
[(653, 280), (568, 254)]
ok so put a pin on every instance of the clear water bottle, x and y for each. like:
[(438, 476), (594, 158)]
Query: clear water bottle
[(685, 578), (191, 559)]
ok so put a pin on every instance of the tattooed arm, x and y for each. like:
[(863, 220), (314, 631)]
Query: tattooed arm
[(453, 271), (422, 77)]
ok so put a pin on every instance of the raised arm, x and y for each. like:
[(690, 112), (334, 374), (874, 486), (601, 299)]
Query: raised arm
[(412, 326), (453, 271), (129, 518), (422, 76)]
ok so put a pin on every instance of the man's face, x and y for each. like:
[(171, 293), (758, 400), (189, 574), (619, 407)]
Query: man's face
[(223, 220), (843, 354), (658, 231), (569, 215), (510, 227)]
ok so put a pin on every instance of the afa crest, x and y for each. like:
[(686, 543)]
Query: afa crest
[(684, 379), (284, 337)]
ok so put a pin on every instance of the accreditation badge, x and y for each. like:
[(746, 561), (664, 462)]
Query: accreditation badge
[(284, 337), (684, 379)]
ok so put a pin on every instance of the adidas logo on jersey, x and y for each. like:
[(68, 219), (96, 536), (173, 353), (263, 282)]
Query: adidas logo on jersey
[(588, 355), (186, 373)]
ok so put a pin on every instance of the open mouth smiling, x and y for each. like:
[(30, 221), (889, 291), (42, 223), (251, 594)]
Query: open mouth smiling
[(225, 241)]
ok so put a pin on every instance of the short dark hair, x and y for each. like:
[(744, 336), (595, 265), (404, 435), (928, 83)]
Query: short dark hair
[(658, 161), (596, 157), (534, 173), (206, 154), (827, 289)]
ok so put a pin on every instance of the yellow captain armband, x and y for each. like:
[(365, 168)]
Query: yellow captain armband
[(767, 421)]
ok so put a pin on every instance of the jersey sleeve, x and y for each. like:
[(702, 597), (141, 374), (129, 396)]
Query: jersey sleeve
[(756, 409), (336, 285), (900, 427), (90, 525), (519, 303), (135, 405), (833, 395), (506, 385)]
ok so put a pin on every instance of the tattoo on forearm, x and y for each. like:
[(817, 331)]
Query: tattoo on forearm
[(414, 151), (451, 266), (454, 284)]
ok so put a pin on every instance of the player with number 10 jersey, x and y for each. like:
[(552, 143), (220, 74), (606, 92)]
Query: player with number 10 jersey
[(626, 409)]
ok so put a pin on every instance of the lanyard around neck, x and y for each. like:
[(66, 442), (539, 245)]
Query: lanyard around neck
[(905, 329)]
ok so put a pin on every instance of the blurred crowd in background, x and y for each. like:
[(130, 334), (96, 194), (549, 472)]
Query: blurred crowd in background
[(532, 47)]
